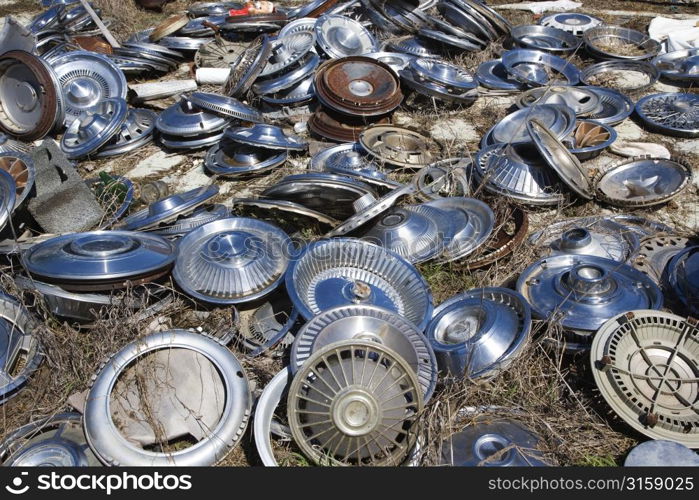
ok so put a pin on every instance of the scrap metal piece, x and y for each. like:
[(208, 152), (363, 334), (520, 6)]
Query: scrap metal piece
[(538, 69), (351, 159), (645, 365), (621, 75), (186, 119), (493, 443), (580, 99), (55, 441), (654, 254), (201, 216), (14, 36), (582, 292), (136, 131), (518, 171), (20, 348), (397, 146), (358, 410), (263, 328), (304, 68), (642, 181), (231, 159), (493, 75), (266, 136), (443, 73), (169, 208), (94, 127), (225, 106), (340, 36), (576, 23), (682, 274), (479, 333), (616, 42), (362, 322), (368, 207), (275, 209), (248, 67), (616, 107), (546, 38), (511, 226), (99, 260), (444, 178), (232, 260), (395, 60), (7, 197), (566, 165), (334, 272), (671, 113), (512, 129), (297, 94), (661, 453), (331, 194), (597, 236), (173, 397), (473, 223), (87, 78), (200, 141), (415, 232), (413, 46), (218, 53), (682, 65), (21, 169), (336, 127), (287, 51), (358, 85), (31, 101)]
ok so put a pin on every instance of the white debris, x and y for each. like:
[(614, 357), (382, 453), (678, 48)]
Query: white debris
[(156, 163), (629, 131), (539, 7), (675, 34), (631, 149), (158, 90), (212, 76)]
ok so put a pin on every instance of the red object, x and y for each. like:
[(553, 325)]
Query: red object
[(239, 12)]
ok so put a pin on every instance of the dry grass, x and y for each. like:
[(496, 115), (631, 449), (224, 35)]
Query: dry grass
[(550, 392)]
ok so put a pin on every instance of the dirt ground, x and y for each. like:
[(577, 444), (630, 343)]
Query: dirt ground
[(552, 393)]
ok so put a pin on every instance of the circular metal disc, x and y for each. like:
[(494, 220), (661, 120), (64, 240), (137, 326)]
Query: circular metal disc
[(169, 208), (360, 322), (86, 79), (479, 333), (94, 127), (645, 365), (582, 292), (340, 271), (98, 256), (56, 441), (473, 223), (20, 348), (672, 113), (340, 36), (177, 405), (356, 418), (643, 181), (232, 260), (566, 165)]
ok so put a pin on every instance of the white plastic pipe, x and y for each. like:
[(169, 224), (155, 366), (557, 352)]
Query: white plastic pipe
[(212, 76)]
